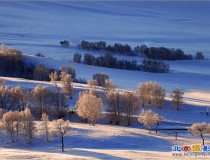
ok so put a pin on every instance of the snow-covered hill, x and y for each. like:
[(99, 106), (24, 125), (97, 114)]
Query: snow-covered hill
[(37, 26), (100, 142)]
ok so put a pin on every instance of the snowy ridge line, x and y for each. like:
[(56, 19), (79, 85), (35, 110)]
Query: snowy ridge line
[(187, 100), (197, 100)]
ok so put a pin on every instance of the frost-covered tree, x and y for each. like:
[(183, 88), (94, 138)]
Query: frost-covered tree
[(69, 70), (142, 95), (41, 98), (158, 95), (3, 49), (2, 112), (60, 128), (28, 125), (151, 93), (150, 119), (100, 78), (19, 98), (11, 124), (89, 107), (54, 77), (177, 98), (45, 125), (8, 124), (67, 85), (41, 73), (5, 97), (58, 98), (130, 105), (145, 93), (109, 85), (2, 81), (92, 83), (17, 123), (115, 109), (200, 129)]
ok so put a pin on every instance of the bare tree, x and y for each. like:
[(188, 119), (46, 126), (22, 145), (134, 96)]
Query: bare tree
[(177, 98), (2, 112), (17, 123), (145, 93), (57, 102), (45, 125), (200, 129), (5, 97), (41, 98), (8, 124), (130, 105), (109, 85), (142, 95), (69, 70), (58, 98), (89, 107), (150, 119), (67, 85), (92, 83), (158, 95), (2, 81), (100, 78), (60, 128), (19, 97), (115, 109), (54, 78), (28, 125), (151, 93)]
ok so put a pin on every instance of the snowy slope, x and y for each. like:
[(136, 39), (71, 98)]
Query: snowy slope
[(193, 111), (100, 142), (185, 74), (39, 26), (34, 26)]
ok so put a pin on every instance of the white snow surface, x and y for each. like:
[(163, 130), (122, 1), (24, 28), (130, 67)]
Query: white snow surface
[(99, 142), (38, 26)]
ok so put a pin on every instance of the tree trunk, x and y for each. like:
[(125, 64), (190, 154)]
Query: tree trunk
[(62, 144), (176, 133), (150, 129), (156, 127), (17, 129), (202, 138)]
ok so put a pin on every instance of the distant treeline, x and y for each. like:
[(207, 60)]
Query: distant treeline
[(154, 53), (109, 61), (12, 64)]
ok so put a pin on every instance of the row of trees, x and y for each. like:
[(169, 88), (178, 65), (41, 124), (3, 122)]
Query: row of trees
[(18, 125), (154, 66), (108, 60), (155, 53), (21, 126), (13, 64), (101, 45), (162, 53), (44, 98), (41, 73), (122, 106)]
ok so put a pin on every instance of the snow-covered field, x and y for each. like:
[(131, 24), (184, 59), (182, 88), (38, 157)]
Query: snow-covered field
[(38, 26), (100, 142)]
